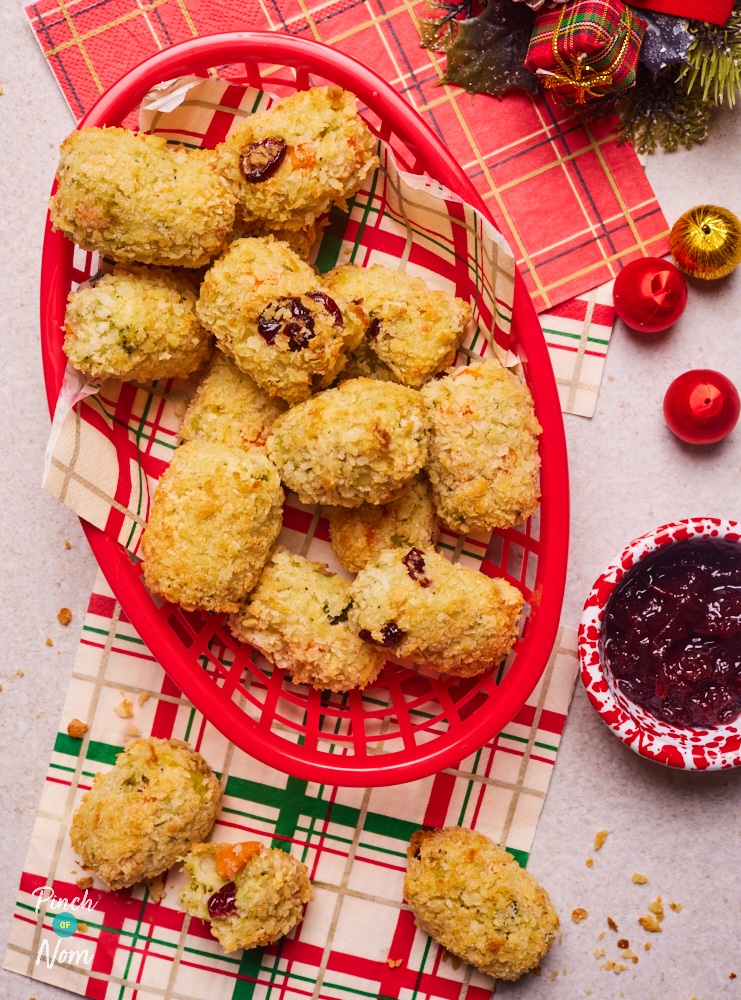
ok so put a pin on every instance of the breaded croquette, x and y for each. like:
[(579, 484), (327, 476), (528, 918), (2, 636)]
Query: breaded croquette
[(414, 329), (270, 313), (140, 817), (250, 895), (297, 617), (362, 441), (135, 198), (474, 899), (290, 163), (215, 515), (230, 408), (484, 461), (444, 615), (358, 535), (136, 324), (363, 363)]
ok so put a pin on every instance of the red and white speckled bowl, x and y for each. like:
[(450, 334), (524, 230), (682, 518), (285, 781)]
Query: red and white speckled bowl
[(689, 748)]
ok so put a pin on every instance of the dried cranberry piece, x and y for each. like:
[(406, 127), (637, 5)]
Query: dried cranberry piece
[(329, 304), (414, 561), (223, 903), (392, 635), (374, 328), (290, 317), (261, 159)]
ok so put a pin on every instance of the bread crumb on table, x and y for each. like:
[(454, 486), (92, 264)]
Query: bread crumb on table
[(657, 908), (589, 862), (611, 924), (599, 838), (86, 882), (579, 914), (144, 696), (20, 672), (650, 923), (638, 878), (675, 906), (64, 617), (394, 963), (76, 728), (67, 543), (49, 642), (125, 710), (599, 952), (616, 967)]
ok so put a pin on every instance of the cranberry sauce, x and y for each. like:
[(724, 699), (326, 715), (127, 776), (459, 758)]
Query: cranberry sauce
[(671, 634)]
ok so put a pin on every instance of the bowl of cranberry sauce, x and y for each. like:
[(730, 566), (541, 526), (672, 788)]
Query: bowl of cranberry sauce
[(660, 644)]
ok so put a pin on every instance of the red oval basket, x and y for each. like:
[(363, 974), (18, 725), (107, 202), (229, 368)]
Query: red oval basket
[(408, 725)]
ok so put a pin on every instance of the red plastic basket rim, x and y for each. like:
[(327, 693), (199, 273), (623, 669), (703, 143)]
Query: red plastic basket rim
[(304, 56)]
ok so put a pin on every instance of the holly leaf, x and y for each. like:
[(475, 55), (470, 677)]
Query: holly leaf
[(487, 55)]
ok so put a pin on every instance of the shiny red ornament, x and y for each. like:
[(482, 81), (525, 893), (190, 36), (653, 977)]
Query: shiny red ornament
[(650, 294), (701, 406)]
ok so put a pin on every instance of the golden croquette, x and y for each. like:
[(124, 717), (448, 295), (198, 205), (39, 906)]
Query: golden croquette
[(287, 165), (364, 440), (214, 517), (136, 324), (250, 895), (297, 617), (133, 197), (269, 312), (473, 898), (359, 534), (230, 408), (414, 329), (483, 461), (444, 615), (140, 817)]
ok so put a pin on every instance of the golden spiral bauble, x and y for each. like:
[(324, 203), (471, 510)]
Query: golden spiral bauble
[(706, 242)]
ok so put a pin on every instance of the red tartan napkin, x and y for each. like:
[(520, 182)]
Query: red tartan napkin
[(573, 203)]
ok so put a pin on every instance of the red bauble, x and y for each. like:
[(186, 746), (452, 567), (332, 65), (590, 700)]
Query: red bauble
[(701, 406), (650, 294)]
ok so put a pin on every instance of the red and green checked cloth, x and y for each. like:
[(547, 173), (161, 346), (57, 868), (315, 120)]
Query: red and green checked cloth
[(358, 938), (572, 202)]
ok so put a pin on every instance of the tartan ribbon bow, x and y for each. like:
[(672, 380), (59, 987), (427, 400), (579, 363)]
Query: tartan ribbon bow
[(579, 73)]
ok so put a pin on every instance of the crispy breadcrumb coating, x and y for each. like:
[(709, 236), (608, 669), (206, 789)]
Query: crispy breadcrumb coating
[(362, 441), (134, 197), (215, 515), (473, 898), (135, 324), (270, 313), (261, 894), (414, 329), (158, 800), (359, 535), (363, 363), (297, 617), (230, 408), (483, 462), (441, 614), (325, 151)]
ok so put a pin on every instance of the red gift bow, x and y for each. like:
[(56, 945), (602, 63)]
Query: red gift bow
[(714, 11)]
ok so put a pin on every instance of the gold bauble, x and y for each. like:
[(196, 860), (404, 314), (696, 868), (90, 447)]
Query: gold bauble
[(706, 242)]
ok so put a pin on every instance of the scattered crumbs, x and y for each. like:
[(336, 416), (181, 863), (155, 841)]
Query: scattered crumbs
[(650, 923), (49, 642), (38, 714), (657, 908), (623, 943), (616, 967), (65, 616), (67, 543), (630, 955), (1, 687), (85, 883), (579, 914), (639, 879), (599, 952), (144, 696), (125, 710), (611, 924), (82, 927), (538, 970), (156, 887), (77, 729), (554, 974), (601, 936), (589, 862), (647, 946), (20, 672), (394, 963), (731, 975), (599, 838), (675, 906), (133, 732)]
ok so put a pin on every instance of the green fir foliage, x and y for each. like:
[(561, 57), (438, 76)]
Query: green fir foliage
[(714, 69), (661, 112)]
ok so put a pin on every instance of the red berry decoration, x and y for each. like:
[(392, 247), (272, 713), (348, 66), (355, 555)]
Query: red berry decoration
[(701, 406), (650, 294)]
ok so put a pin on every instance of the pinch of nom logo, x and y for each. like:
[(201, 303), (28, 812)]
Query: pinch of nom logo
[(66, 920)]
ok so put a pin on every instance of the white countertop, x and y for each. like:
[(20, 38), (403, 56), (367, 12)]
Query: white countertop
[(628, 475)]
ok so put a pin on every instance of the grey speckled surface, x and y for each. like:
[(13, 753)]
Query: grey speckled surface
[(628, 475)]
